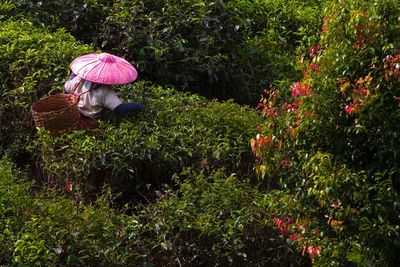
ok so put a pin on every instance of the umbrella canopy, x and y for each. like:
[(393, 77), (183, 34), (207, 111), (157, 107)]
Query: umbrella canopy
[(104, 68)]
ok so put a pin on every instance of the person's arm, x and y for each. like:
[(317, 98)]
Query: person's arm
[(126, 108), (113, 103), (70, 84)]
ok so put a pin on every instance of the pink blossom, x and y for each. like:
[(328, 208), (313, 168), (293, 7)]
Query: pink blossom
[(314, 50), (314, 66), (299, 89), (291, 107), (282, 226), (364, 91), (313, 251), (272, 113), (349, 109), (278, 222), (294, 237)]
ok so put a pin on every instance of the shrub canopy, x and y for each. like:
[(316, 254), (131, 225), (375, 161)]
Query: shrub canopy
[(332, 138), (35, 62)]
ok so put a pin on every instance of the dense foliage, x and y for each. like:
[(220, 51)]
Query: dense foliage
[(177, 130), (334, 142), (181, 228), (34, 63), (224, 49), (179, 184)]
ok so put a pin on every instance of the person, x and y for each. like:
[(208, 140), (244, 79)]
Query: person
[(91, 80), (98, 97)]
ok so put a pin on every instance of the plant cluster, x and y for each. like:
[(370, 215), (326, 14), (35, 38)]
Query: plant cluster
[(35, 61), (223, 49), (210, 220), (326, 150), (177, 130), (331, 142)]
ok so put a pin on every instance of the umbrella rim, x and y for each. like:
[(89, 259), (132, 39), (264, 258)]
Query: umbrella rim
[(96, 61)]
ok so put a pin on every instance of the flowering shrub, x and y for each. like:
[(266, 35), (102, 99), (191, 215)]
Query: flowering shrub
[(295, 233), (331, 139)]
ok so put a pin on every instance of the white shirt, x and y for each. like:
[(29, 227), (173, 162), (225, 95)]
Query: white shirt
[(94, 97)]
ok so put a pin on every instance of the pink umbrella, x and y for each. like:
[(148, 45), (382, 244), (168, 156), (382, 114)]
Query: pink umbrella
[(104, 68)]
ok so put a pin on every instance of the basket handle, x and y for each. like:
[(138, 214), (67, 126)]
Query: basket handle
[(79, 85)]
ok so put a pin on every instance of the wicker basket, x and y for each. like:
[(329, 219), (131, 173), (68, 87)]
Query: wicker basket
[(56, 113)]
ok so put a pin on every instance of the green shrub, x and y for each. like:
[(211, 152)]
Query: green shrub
[(176, 130), (224, 50), (35, 62), (356, 91), (79, 17), (332, 138), (40, 230), (352, 216), (219, 49), (212, 219), (216, 220), (13, 203)]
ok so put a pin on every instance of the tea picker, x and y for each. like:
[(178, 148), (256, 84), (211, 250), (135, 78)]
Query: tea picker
[(87, 93), (91, 79)]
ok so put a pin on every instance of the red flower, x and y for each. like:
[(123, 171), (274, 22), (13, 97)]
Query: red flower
[(314, 66), (349, 109), (68, 185), (271, 113), (324, 26), (314, 50), (286, 162), (278, 222), (299, 89), (294, 237), (313, 251), (282, 226)]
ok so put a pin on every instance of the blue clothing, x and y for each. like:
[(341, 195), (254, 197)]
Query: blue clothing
[(126, 108)]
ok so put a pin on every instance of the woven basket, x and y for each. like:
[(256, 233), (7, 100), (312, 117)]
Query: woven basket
[(56, 113)]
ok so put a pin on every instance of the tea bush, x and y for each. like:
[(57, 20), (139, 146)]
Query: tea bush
[(224, 49), (218, 49), (176, 130), (211, 220), (81, 18), (35, 61), (51, 230), (332, 138), (216, 220)]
